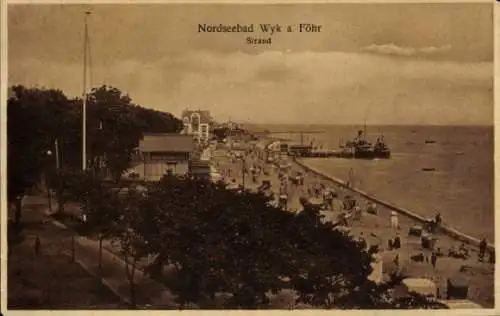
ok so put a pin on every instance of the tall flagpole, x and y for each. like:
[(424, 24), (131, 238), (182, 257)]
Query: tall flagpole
[(84, 110)]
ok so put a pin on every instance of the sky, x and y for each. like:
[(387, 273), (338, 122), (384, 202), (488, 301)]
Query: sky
[(383, 63)]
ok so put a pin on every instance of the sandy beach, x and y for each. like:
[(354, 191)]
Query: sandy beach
[(374, 229), (460, 180)]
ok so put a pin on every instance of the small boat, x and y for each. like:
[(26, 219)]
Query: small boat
[(360, 147), (428, 169), (346, 152), (430, 141), (381, 150)]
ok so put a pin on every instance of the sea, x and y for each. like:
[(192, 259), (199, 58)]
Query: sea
[(458, 181)]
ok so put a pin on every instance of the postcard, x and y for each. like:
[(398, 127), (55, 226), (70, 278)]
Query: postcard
[(249, 156)]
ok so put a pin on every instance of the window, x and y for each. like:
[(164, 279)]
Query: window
[(195, 122), (163, 157)]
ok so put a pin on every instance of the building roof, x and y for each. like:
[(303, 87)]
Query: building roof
[(200, 163), (264, 143), (274, 145), (205, 117), (419, 284), (167, 143)]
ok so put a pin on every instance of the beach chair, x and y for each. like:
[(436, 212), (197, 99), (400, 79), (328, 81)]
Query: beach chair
[(428, 241), (421, 286), (357, 213), (415, 230), (372, 209), (457, 287)]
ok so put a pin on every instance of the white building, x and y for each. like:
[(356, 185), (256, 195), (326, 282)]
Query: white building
[(197, 123), (159, 154)]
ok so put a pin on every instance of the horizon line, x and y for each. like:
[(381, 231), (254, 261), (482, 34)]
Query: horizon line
[(376, 124)]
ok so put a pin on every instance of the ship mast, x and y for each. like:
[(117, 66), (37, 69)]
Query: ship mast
[(85, 95)]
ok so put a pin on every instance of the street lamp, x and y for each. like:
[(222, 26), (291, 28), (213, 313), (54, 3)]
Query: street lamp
[(243, 170), (49, 155), (49, 195)]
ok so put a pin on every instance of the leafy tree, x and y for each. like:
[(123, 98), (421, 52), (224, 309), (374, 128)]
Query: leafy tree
[(102, 207), (64, 181), (115, 126), (31, 127), (331, 265), (132, 245), (230, 242), (113, 131)]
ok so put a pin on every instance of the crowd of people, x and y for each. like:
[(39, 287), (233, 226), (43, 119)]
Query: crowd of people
[(288, 188), (299, 185), (291, 187)]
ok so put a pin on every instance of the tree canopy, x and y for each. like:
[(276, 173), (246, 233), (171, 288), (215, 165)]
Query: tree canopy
[(225, 241), (233, 242), (30, 113), (36, 117)]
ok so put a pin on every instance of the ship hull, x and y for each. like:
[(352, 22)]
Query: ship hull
[(364, 154), (382, 154), (346, 155)]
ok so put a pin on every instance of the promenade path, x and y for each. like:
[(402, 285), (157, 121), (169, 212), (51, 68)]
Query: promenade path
[(375, 229), (113, 273), (50, 280)]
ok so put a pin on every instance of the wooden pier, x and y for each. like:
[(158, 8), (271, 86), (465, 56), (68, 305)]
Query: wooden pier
[(294, 132)]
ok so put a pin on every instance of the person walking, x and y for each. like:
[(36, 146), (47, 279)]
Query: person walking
[(337, 204), (396, 260), (396, 244), (37, 246), (438, 219), (482, 249), (433, 259), (328, 199), (362, 241)]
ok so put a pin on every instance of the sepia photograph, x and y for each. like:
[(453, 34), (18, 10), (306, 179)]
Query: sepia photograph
[(209, 156)]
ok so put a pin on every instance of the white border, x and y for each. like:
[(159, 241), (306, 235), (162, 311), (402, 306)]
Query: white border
[(3, 144)]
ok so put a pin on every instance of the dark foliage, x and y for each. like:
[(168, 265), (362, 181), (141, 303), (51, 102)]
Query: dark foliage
[(31, 114), (224, 241), (37, 117)]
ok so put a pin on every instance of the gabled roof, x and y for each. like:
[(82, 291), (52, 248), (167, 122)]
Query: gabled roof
[(166, 143), (205, 117)]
